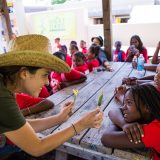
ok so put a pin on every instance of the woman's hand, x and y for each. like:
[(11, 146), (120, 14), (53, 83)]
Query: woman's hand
[(66, 111), (134, 132), (92, 119)]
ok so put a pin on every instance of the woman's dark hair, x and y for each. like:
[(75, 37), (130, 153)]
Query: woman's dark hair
[(9, 73), (140, 46), (80, 55), (94, 49), (149, 96), (60, 55)]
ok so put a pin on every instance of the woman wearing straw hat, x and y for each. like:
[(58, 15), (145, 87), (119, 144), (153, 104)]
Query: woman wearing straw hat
[(25, 68)]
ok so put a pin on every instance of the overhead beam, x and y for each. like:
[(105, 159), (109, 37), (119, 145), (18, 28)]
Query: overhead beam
[(107, 22)]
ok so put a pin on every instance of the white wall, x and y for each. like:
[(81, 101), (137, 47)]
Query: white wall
[(41, 23), (149, 33)]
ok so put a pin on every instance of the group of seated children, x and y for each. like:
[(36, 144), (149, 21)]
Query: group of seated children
[(136, 48)]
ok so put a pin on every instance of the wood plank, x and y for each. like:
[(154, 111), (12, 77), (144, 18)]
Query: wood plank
[(85, 153), (61, 155), (127, 155)]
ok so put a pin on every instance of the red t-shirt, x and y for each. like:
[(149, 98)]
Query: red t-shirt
[(123, 56), (25, 101), (72, 75), (144, 52), (56, 78), (151, 137), (84, 50), (69, 60), (44, 93), (93, 64), (84, 69)]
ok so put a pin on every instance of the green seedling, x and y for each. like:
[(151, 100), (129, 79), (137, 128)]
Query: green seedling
[(100, 98), (75, 93)]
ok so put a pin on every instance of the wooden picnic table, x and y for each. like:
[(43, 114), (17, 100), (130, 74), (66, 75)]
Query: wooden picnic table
[(87, 144)]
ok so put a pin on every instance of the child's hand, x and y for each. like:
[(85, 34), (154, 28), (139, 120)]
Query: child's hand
[(108, 67), (158, 46), (157, 80), (121, 89), (119, 93), (134, 132), (129, 81)]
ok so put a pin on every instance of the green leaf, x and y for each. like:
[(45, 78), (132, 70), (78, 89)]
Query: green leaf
[(100, 98)]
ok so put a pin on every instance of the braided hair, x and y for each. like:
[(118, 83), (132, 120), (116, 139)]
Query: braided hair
[(148, 95)]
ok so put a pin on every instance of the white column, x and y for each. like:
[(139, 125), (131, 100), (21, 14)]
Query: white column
[(20, 17)]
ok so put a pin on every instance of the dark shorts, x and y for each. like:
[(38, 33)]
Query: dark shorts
[(8, 149)]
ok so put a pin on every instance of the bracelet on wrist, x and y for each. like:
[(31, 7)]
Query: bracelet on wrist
[(75, 131)]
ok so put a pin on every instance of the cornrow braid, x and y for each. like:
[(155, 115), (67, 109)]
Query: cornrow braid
[(148, 95)]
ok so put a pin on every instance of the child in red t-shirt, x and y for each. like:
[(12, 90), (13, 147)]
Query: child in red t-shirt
[(44, 92), (92, 54), (79, 63), (118, 54), (83, 47), (141, 106), (73, 49), (68, 57), (35, 104), (61, 80), (138, 45)]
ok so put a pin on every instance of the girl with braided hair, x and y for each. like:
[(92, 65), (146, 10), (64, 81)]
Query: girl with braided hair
[(137, 123)]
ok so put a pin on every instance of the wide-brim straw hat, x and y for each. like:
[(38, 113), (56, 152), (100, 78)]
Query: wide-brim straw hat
[(99, 38), (32, 50)]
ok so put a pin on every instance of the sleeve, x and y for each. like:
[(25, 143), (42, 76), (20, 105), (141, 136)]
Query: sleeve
[(90, 67), (123, 56), (44, 92), (11, 117), (102, 57), (151, 135), (25, 101), (73, 75), (145, 55), (127, 53)]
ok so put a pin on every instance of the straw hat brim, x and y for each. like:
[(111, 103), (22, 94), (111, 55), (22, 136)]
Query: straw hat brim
[(34, 59)]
